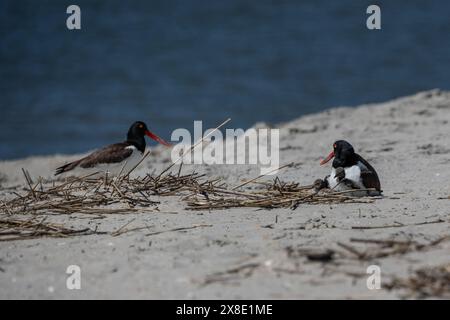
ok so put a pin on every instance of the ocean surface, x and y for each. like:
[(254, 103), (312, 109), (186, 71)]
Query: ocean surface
[(169, 63)]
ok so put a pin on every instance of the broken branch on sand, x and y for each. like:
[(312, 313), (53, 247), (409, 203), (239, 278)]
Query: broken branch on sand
[(398, 225), (179, 229)]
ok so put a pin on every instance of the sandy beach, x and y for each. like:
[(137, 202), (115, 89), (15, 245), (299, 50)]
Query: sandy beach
[(245, 253)]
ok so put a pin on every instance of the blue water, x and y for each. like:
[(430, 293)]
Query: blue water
[(171, 62)]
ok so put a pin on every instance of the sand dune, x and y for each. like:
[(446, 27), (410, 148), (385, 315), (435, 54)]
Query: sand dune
[(257, 254)]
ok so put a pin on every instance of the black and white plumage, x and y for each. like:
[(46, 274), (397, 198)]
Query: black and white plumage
[(116, 157), (350, 171)]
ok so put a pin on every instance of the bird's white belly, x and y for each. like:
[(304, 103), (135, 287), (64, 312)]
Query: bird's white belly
[(131, 162), (352, 173)]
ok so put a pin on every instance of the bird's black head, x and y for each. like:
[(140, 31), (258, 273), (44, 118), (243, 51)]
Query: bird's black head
[(343, 154), (138, 131)]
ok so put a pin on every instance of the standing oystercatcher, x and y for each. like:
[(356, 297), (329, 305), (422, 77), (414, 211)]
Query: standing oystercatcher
[(349, 171), (117, 157)]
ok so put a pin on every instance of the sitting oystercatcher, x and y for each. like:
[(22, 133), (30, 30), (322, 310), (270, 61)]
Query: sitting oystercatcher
[(349, 171), (115, 158)]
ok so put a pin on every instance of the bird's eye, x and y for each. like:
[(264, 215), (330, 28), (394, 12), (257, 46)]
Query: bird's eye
[(334, 145), (141, 126)]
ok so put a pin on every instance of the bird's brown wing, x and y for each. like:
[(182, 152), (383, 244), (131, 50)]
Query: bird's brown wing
[(67, 167), (369, 177), (111, 154)]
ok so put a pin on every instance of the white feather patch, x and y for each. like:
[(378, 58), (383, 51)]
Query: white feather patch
[(352, 173)]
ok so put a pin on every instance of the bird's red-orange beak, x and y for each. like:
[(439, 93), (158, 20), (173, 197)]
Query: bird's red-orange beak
[(330, 156), (157, 139)]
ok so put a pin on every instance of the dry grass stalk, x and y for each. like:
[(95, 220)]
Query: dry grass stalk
[(193, 147), (235, 273), (102, 195), (433, 282), (381, 248), (19, 229), (89, 195), (272, 195)]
